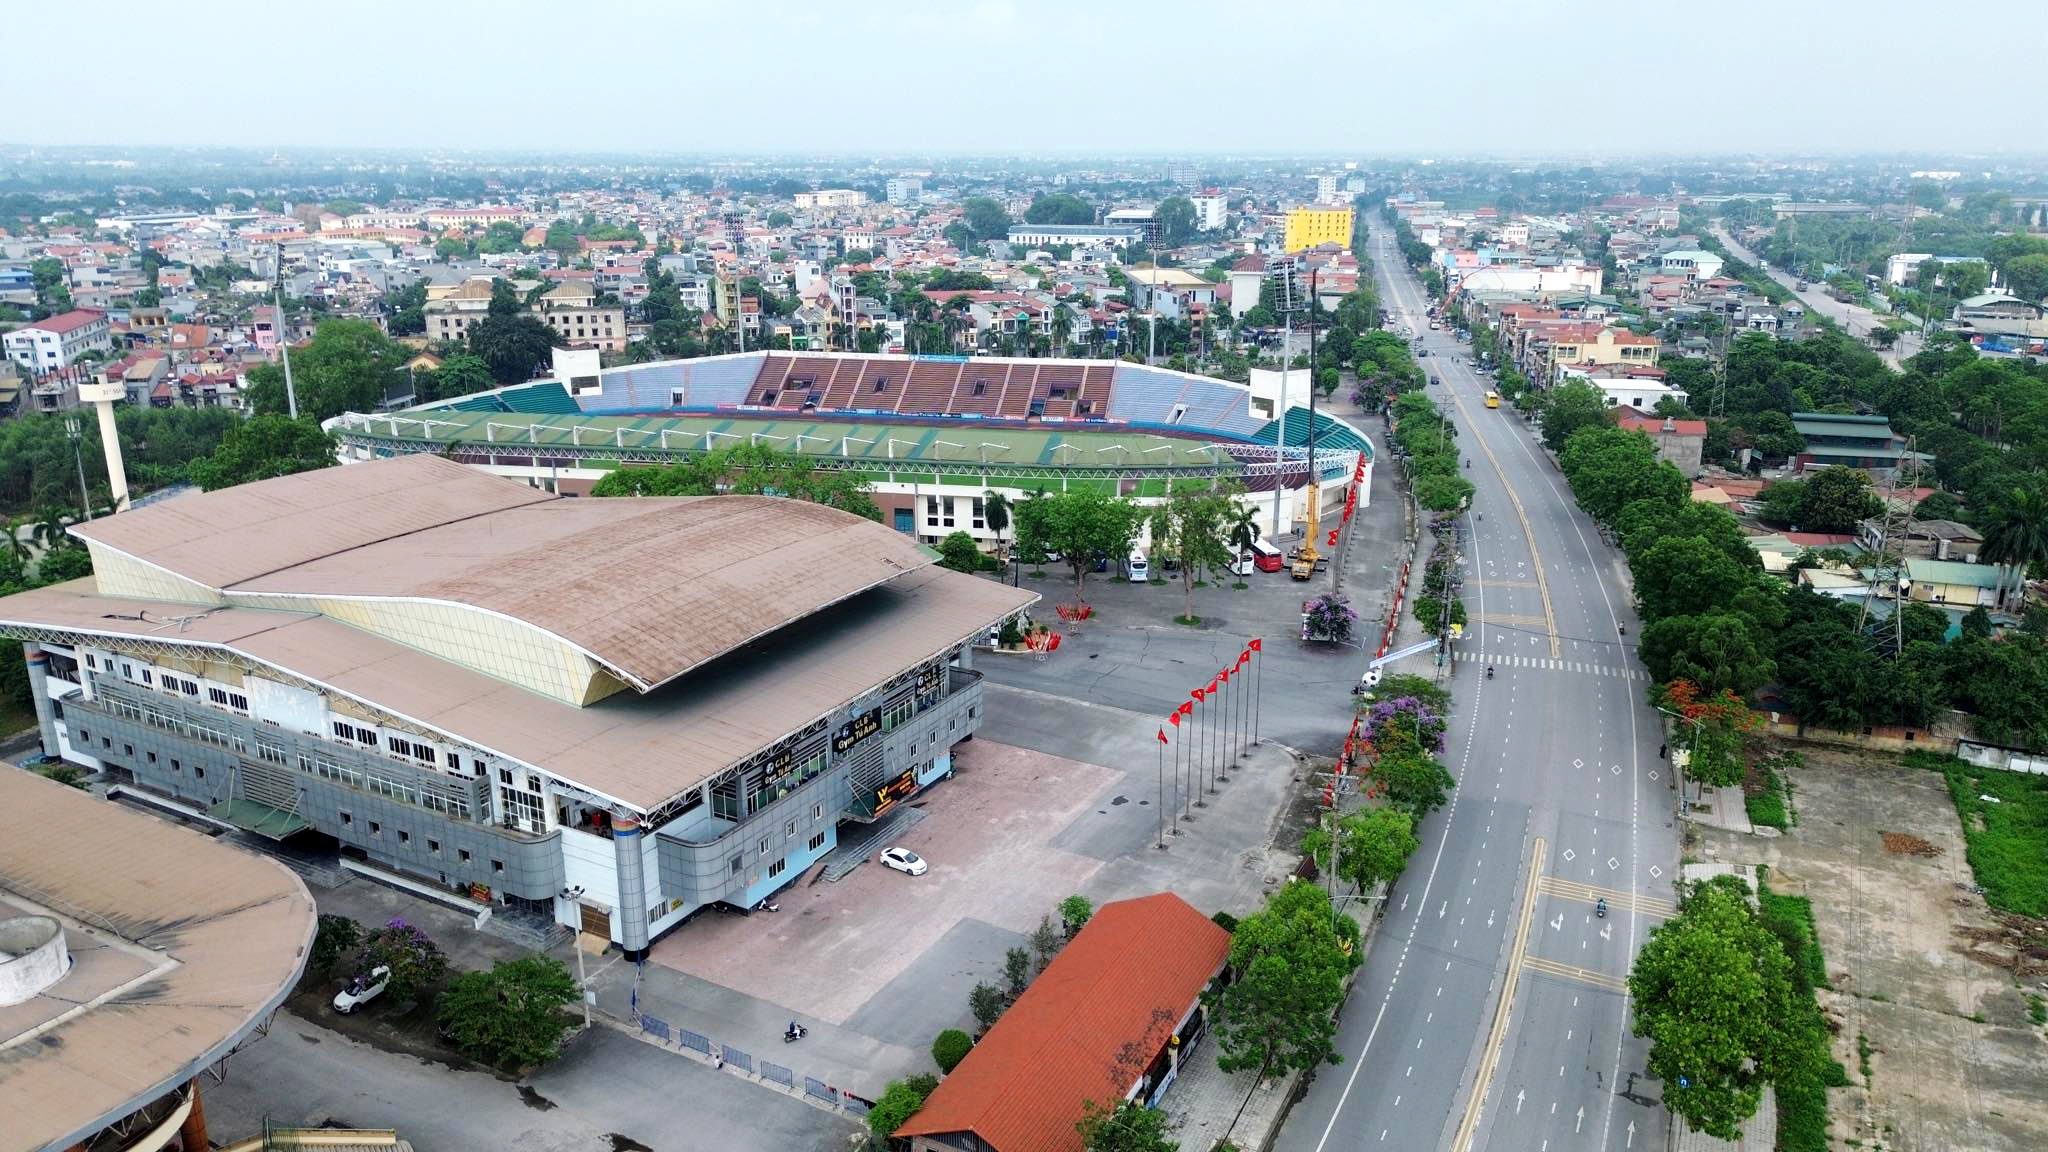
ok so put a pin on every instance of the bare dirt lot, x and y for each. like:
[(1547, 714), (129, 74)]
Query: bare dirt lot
[(1921, 971)]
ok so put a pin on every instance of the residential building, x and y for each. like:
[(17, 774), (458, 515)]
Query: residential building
[(1640, 395), (1140, 218), (1997, 306), (1212, 210), (1313, 227), (1693, 263), (1119, 237), (441, 219), (1169, 292), (830, 199), (1926, 539), (1246, 277), (1682, 442), (138, 953), (904, 189), (1953, 582), (59, 341), (569, 308), (1850, 441), (1326, 193), (586, 712), (1115, 1016)]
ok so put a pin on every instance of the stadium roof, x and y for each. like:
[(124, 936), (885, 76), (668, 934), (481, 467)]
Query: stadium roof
[(649, 588), (1120, 986), (180, 947)]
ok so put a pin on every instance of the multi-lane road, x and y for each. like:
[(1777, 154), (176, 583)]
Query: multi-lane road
[(1492, 1011)]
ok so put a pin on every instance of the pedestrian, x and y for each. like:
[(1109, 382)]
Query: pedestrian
[(1662, 749), (718, 1057)]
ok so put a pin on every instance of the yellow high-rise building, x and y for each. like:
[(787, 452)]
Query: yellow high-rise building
[(1309, 227)]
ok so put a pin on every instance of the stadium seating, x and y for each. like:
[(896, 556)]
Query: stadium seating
[(928, 386)]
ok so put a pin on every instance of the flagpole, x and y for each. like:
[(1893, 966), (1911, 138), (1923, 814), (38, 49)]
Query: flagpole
[(1243, 704), (1258, 686), (1194, 753), (1180, 740), (1223, 761), (1162, 788), (1177, 742), (1212, 741)]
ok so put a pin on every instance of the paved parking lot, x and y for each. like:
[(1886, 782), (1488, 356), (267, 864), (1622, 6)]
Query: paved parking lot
[(835, 946)]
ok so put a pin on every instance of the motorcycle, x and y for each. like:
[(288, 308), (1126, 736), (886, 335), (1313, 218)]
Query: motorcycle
[(794, 1032), (1489, 671), (767, 906), (1600, 909)]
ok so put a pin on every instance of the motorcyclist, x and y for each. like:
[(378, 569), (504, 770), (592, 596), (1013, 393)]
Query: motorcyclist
[(1489, 671), (1600, 908)]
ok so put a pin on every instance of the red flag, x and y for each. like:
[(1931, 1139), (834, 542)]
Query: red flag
[(1199, 693), (1256, 644), (1212, 684), (1174, 718), (1224, 675), (1162, 735), (1186, 709), (1244, 658)]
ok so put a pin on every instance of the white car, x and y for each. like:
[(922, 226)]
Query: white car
[(1139, 569), (903, 860), (362, 989)]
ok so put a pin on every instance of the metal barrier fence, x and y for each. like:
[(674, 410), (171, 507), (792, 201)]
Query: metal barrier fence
[(773, 1073)]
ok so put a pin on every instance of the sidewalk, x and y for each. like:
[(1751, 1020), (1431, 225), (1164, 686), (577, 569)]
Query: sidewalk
[(1721, 808)]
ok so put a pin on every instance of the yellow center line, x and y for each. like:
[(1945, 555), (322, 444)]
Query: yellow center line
[(1588, 894), (1582, 975), (1490, 1056), (1522, 514)]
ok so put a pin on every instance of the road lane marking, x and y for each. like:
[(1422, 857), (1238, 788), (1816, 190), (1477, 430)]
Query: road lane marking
[(1489, 1057), (1590, 893), (1549, 967)]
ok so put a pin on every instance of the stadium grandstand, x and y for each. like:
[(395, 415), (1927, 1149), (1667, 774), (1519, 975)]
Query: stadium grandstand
[(912, 427)]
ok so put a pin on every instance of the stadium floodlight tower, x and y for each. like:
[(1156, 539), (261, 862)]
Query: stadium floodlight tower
[(101, 393)]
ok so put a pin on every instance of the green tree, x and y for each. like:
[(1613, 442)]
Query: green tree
[(995, 512), (515, 345), (63, 564), (1059, 208), (333, 938), (899, 1102), (1716, 650), (986, 1002), (1373, 846), (1291, 958), (1569, 407), (1836, 500), (1176, 217), (745, 469), (2027, 277), (1193, 527), (2016, 536), (1714, 995), (349, 366), (510, 1016), (1082, 524), (959, 552), (414, 959), (462, 374), (1686, 575), (1128, 1126), (985, 218), (1413, 781), (780, 219), (1075, 912), (266, 445), (949, 1048)]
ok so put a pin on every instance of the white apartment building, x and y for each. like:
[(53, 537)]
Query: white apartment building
[(58, 342), (1326, 190), (1211, 211), (904, 189), (828, 198)]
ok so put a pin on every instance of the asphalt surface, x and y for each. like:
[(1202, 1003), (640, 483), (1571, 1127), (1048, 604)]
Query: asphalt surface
[(1557, 747), (1855, 320)]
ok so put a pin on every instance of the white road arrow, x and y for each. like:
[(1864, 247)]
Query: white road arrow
[(1557, 925), (1404, 901), (1440, 912), (1631, 1135), (1607, 933), (1489, 918), (1582, 1119), (1518, 1102)]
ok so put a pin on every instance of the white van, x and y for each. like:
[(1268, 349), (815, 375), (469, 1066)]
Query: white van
[(1140, 571)]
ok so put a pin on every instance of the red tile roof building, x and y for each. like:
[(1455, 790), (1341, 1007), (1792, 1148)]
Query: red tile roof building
[(1131, 981)]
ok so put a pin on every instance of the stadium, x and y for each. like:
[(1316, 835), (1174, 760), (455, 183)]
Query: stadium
[(928, 434)]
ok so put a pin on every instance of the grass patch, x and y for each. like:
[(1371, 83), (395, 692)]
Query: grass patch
[(1863, 1051), (1239, 586), (1802, 1099), (2037, 1009), (1766, 809), (2007, 841), (1190, 621)]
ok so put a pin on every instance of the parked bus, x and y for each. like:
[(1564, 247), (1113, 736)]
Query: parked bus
[(1265, 557), (1492, 399)]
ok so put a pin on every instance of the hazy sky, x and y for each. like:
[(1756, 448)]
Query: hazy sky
[(907, 76)]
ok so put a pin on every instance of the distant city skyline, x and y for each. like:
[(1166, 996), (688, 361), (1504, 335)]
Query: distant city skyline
[(1460, 78)]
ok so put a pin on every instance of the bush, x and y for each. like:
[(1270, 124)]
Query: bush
[(950, 1048), (900, 1101), (334, 938), (986, 1002), (1432, 695), (510, 1016), (1074, 912), (1011, 635), (1766, 809), (415, 961), (1225, 921)]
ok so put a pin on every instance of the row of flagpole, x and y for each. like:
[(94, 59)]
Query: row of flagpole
[(1211, 730)]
